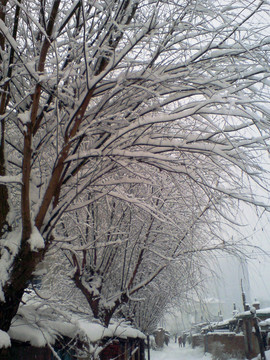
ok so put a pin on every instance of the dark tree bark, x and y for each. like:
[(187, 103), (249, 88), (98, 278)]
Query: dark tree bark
[(24, 265)]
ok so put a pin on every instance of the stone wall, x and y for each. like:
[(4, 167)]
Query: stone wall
[(230, 343), (197, 340)]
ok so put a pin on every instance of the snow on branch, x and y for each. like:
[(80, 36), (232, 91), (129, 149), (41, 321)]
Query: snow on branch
[(36, 241), (5, 31), (11, 179), (4, 340), (9, 249)]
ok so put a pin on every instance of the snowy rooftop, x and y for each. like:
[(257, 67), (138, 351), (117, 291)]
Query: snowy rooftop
[(265, 322), (40, 325), (262, 312), (95, 331), (218, 325)]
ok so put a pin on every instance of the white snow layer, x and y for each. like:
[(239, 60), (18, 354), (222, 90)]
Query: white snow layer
[(4, 340), (9, 250), (173, 352), (259, 311), (36, 240), (96, 332), (30, 333), (35, 326), (39, 326), (265, 322), (41, 333)]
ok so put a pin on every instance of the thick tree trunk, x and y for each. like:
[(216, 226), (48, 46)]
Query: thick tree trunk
[(100, 313), (22, 270), (9, 308), (4, 209), (4, 206)]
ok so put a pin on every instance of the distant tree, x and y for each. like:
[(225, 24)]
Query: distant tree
[(119, 244), (92, 89), (173, 288)]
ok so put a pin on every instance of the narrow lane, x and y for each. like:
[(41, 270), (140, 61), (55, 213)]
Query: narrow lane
[(173, 352)]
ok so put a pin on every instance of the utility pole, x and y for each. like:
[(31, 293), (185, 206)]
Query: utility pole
[(255, 324), (247, 329), (245, 305), (148, 347), (258, 332)]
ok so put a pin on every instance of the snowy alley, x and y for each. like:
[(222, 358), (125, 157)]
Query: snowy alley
[(134, 178), (173, 352)]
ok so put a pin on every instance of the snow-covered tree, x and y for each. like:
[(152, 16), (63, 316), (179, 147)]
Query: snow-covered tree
[(119, 244), (93, 89), (173, 288)]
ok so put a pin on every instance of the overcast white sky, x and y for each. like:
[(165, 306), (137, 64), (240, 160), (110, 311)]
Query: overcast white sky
[(253, 270)]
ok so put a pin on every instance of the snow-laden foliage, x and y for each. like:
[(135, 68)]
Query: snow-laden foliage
[(119, 244), (95, 95)]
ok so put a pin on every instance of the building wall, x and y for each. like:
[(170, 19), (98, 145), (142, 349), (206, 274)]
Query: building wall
[(230, 343), (197, 340), (124, 350), (22, 352)]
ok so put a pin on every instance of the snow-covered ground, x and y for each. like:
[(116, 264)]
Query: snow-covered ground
[(173, 352)]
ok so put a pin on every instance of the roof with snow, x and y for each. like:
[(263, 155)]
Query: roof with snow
[(265, 323), (260, 313), (40, 325), (218, 325), (96, 332)]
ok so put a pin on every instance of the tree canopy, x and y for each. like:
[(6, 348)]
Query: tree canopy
[(101, 98)]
